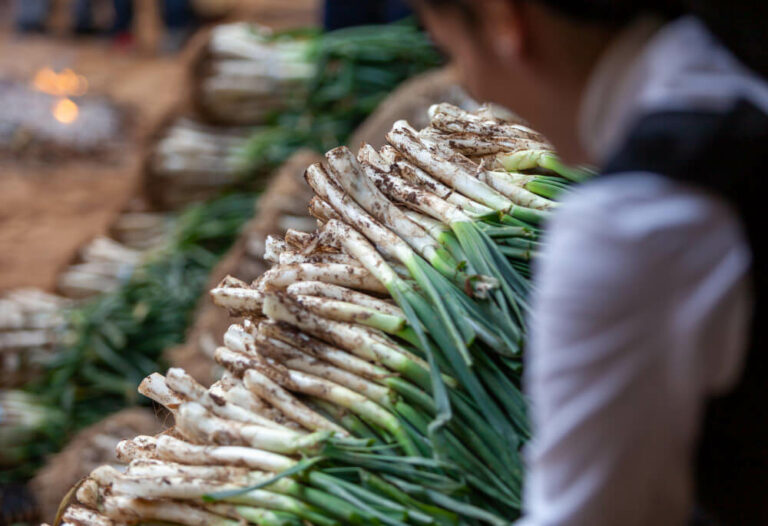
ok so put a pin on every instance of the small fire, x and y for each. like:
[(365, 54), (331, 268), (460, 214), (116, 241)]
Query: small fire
[(65, 111), (63, 86)]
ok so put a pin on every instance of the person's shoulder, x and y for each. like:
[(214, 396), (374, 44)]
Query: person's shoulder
[(640, 202), (638, 236), (644, 219)]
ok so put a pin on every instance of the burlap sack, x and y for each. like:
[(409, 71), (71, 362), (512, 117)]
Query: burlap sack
[(89, 449)]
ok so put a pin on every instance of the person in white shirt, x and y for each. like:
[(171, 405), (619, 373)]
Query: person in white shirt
[(649, 280)]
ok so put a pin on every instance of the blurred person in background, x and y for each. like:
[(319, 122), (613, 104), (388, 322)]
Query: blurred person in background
[(345, 13), (31, 15), (647, 367), (178, 18)]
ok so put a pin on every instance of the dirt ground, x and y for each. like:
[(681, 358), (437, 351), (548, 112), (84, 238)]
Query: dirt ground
[(48, 210)]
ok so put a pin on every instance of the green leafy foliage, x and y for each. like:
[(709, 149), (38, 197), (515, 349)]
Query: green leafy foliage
[(116, 339), (356, 69)]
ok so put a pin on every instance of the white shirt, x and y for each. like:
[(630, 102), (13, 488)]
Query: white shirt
[(641, 304)]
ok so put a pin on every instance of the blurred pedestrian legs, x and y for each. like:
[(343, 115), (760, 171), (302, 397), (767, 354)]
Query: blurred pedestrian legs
[(31, 15), (344, 13)]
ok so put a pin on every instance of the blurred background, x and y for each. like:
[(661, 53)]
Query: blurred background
[(147, 147)]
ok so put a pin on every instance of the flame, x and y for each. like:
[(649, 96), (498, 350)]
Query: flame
[(65, 111), (64, 84)]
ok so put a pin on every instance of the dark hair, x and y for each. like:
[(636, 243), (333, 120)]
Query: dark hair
[(739, 24)]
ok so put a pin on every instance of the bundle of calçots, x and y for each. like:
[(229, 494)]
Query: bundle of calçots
[(193, 161), (31, 323), (355, 69), (248, 72), (374, 378)]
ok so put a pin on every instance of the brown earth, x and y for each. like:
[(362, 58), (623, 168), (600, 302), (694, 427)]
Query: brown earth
[(48, 210)]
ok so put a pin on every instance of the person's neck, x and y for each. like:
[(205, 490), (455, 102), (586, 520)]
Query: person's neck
[(568, 54)]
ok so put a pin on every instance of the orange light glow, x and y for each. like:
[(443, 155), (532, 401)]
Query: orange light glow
[(64, 84), (65, 111)]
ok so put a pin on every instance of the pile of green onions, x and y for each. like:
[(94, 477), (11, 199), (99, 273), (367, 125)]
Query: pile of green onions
[(193, 161), (31, 323), (248, 73), (374, 376)]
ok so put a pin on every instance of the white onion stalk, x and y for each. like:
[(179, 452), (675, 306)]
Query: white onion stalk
[(81, 515), (237, 297), (460, 223), (419, 198), (273, 247), (499, 181), (435, 228), (235, 361), (357, 403), (298, 239), (365, 342), (155, 388), (324, 212), (321, 210), (181, 382), (276, 395), (474, 145), (184, 487), (451, 118), (348, 175), (238, 395), (265, 382), (352, 313), (294, 359), (139, 447), (171, 449), (356, 245), (194, 420), (426, 202), (352, 276), (251, 515), (323, 351), (128, 509), (240, 339), (421, 187), (335, 292), (513, 186), (234, 476), (319, 350), (392, 246), (89, 493), (229, 485), (152, 467), (290, 257), (405, 139), (529, 159), (362, 342), (417, 176)]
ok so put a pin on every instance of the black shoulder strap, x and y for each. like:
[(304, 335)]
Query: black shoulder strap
[(719, 151)]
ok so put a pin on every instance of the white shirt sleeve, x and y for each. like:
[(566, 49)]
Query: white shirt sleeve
[(640, 313)]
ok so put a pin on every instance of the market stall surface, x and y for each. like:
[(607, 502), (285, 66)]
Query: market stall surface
[(51, 205)]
